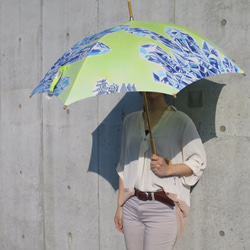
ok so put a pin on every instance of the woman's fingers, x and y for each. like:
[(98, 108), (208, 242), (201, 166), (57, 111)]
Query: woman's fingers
[(159, 166), (118, 219), (118, 224)]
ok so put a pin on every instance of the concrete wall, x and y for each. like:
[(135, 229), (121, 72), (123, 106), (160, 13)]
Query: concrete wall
[(58, 184)]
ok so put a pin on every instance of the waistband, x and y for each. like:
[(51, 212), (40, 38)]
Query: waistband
[(158, 196)]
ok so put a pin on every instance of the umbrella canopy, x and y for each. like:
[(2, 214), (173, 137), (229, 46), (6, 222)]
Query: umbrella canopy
[(134, 56)]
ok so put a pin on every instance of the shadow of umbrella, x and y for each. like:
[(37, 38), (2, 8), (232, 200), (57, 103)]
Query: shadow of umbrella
[(198, 100), (106, 139)]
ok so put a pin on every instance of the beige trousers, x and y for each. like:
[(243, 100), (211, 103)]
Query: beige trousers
[(149, 225)]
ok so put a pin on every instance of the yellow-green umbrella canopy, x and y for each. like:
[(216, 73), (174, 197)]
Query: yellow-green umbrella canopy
[(134, 56)]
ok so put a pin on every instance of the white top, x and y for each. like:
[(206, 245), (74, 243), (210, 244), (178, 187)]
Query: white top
[(175, 137)]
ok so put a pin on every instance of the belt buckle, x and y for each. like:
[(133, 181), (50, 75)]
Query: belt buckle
[(146, 193)]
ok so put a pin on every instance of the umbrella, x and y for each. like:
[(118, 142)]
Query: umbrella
[(134, 56)]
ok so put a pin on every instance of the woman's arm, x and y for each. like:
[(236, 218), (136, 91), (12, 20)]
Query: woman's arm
[(118, 214), (160, 168)]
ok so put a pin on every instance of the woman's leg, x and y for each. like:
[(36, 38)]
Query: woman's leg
[(160, 226), (149, 225), (133, 228)]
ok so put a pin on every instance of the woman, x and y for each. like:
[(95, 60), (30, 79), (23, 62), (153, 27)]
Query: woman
[(154, 193)]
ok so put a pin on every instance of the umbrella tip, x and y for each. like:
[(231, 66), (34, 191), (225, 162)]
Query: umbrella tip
[(244, 74), (64, 107), (174, 96), (130, 11), (30, 96)]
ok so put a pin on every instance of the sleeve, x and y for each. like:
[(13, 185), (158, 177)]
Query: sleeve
[(193, 154), (120, 165)]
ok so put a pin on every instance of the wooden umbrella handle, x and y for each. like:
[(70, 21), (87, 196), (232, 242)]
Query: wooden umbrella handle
[(168, 161), (152, 142), (149, 124)]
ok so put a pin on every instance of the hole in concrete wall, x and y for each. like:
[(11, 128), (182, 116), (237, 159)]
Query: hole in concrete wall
[(20, 105), (223, 22), (123, 114), (222, 233), (69, 187), (222, 128)]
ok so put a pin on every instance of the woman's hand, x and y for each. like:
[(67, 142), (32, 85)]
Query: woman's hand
[(159, 166), (118, 219)]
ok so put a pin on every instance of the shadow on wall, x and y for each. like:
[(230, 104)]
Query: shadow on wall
[(198, 100), (106, 139)]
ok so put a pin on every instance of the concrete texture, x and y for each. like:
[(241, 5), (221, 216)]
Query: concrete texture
[(58, 185)]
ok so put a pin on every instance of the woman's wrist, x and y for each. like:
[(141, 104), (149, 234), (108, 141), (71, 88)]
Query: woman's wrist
[(172, 170), (180, 170), (175, 170)]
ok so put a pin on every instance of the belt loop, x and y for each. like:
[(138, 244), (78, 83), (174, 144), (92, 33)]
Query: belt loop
[(153, 196)]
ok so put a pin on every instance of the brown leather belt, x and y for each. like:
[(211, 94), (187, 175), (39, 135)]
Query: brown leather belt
[(158, 196)]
